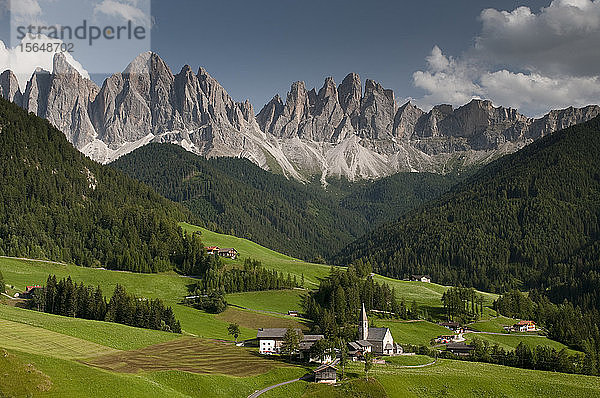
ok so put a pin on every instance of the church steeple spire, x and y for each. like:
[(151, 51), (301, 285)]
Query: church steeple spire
[(363, 325)]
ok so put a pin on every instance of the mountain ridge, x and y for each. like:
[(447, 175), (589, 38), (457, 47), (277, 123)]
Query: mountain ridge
[(339, 130)]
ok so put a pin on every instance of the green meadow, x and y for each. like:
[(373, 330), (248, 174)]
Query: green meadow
[(49, 356), (269, 258)]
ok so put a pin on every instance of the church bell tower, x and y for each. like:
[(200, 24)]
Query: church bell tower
[(363, 324)]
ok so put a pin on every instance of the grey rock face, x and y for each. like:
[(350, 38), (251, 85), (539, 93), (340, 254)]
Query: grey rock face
[(9, 87), (335, 131)]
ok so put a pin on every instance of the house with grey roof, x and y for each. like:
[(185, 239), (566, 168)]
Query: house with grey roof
[(271, 339)]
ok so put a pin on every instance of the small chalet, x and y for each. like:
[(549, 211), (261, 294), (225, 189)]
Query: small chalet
[(227, 253), (29, 290), (421, 278), (326, 373), (293, 313), (454, 326), (357, 349), (524, 326), (270, 341), (460, 349), (212, 250)]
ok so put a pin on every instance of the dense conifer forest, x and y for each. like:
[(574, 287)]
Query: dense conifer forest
[(530, 220), (303, 220), (334, 305), (66, 298), (57, 204)]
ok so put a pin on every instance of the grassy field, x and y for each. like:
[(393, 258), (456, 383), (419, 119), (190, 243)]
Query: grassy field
[(254, 320), (107, 334), (27, 338), (72, 379), (493, 325), (409, 360), (468, 379), (511, 342), (269, 258), (417, 333), (280, 301), (20, 379), (188, 355)]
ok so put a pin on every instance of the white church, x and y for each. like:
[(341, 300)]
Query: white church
[(379, 341)]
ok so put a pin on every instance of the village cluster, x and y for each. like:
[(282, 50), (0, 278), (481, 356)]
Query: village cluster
[(374, 340)]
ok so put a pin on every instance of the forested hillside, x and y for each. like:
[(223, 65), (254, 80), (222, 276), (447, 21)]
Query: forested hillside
[(55, 203), (303, 220), (528, 220)]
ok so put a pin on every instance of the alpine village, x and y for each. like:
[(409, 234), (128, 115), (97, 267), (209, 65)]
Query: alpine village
[(158, 238)]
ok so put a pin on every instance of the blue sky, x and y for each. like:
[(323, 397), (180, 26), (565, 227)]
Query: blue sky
[(258, 48), (533, 55)]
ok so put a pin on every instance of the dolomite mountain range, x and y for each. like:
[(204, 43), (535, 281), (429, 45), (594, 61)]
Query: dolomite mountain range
[(339, 130)]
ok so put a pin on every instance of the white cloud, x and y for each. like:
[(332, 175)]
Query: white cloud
[(520, 90), (446, 81), (561, 39), (25, 11), (532, 61), (23, 63), (128, 10)]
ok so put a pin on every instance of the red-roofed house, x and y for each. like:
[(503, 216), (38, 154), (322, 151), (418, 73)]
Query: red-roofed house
[(525, 326)]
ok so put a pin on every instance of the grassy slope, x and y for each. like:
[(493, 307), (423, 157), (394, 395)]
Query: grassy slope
[(67, 377), (469, 379), (280, 301), (418, 333), (51, 352), (494, 325), (269, 258), (25, 337), (511, 342), (112, 335)]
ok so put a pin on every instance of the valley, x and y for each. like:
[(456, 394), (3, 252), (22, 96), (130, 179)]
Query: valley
[(161, 235), (47, 341)]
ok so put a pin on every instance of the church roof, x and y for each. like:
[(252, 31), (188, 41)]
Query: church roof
[(363, 314), (377, 334)]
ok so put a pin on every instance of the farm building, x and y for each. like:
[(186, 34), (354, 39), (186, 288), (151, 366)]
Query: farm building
[(227, 253), (524, 326), (29, 290), (326, 373), (212, 249), (454, 326), (461, 349), (421, 278), (357, 349), (270, 341)]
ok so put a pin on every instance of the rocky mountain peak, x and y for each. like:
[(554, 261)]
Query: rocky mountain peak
[(60, 65), (9, 87), (329, 89), (338, 130), (350, 94)]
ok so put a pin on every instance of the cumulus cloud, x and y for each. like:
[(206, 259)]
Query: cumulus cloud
[(561, 39), (446, 80), (24, 11), (128, 10), (23, 64), (533, 61)]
